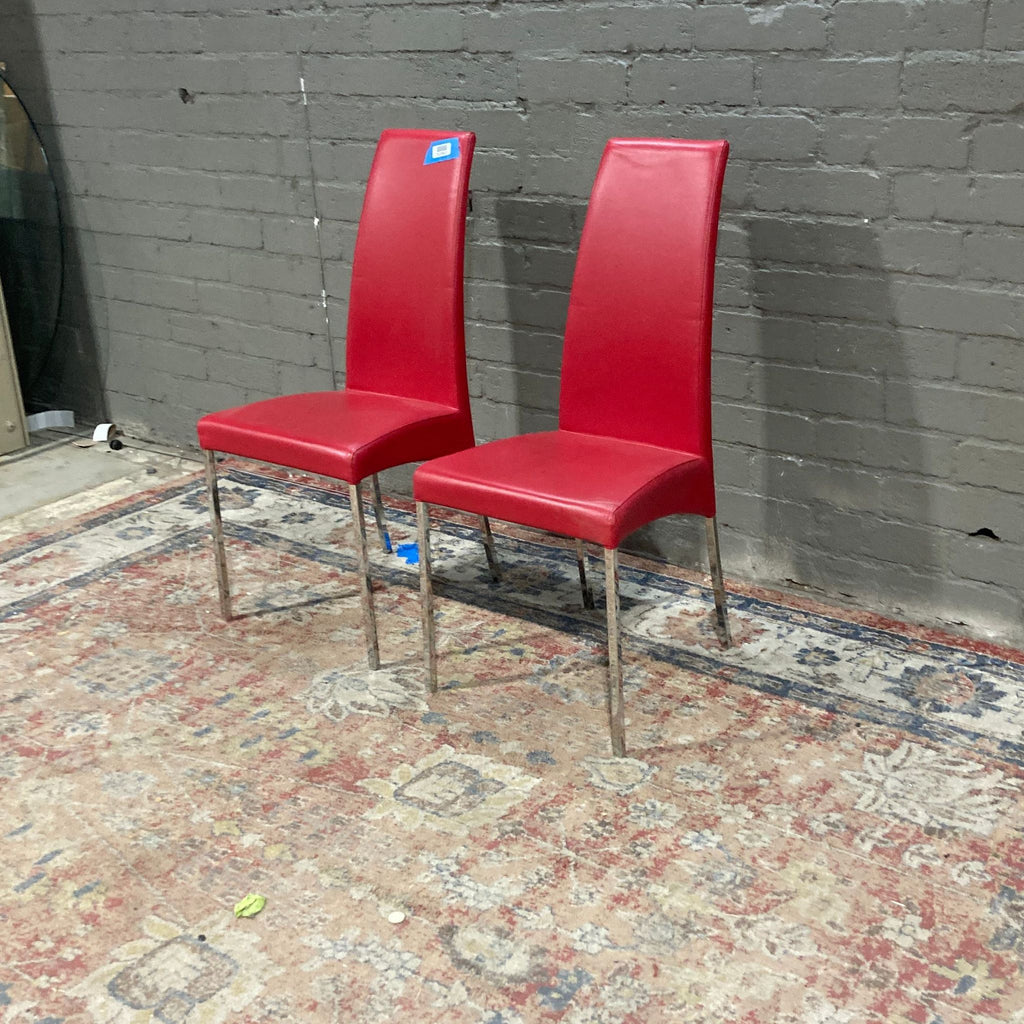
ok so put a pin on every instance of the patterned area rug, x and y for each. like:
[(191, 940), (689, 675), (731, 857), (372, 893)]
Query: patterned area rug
[(822, 825)]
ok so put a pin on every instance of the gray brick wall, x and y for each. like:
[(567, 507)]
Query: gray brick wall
[(869, 363)]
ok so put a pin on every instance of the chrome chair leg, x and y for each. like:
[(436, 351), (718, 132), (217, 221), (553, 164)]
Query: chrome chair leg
[(721, 613), (616, 697), (365, 583), (426, 594), (378, 512), (219, 555), (492, 558), (581, 564)]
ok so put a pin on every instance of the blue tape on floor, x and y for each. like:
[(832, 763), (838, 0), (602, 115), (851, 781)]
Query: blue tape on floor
[(410, 552)]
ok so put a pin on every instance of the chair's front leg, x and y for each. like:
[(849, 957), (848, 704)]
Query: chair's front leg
[(426, 594), (616, 697), (365, 583), (217, 531), (581, 565), (717, 584), (378, 514)]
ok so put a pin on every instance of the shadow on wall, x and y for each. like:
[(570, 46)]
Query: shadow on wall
[(71, 376), (823, 472), (840, 471), (539, 239)]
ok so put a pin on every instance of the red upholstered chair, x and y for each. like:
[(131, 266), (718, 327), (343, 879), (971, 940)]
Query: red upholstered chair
[(405, 397), (633, 442)]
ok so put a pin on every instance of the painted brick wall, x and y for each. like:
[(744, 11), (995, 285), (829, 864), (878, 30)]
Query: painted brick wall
[(869, 363)]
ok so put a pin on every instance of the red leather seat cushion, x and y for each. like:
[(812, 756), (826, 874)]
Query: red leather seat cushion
[(582, 485), (347, 434)]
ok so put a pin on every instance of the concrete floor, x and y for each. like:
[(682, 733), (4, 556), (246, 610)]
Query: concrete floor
[(54, 478)]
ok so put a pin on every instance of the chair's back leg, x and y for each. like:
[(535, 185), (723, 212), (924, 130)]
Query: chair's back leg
[(492, 558), (616, 697), (721, 614), (378, 513), (217, 532), (581, 565), (426, 594), (365, 583)]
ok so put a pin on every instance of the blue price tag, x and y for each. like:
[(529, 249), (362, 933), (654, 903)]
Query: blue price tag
[(443, 149)]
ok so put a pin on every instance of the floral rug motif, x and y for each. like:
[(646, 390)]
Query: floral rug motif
[(823, 824)]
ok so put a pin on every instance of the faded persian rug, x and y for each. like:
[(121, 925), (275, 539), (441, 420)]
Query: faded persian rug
[(821, 825)]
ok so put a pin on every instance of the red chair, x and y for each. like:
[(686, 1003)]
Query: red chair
[(405, 397), (633, 442)]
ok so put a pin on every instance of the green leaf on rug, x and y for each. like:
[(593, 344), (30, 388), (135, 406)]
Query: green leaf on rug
[(250, 906)]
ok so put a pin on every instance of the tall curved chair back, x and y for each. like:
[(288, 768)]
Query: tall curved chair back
[(636, 362), (405, 321), (405, 397)]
